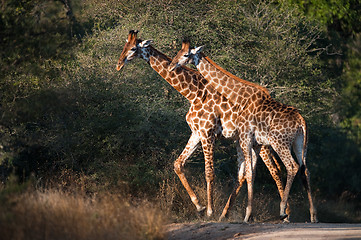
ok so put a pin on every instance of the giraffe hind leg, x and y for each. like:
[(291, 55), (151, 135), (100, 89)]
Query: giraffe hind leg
[(305, 178), (239, 182), (284, 152), (274, 168), (234, 194)]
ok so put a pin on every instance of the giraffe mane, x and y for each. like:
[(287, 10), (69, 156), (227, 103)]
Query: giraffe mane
[(263, 89)]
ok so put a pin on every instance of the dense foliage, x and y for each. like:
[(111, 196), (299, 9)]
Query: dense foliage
[(64, 107)]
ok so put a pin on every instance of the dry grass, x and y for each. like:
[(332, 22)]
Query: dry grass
[(54, 214), (174, 200), (74, 213)]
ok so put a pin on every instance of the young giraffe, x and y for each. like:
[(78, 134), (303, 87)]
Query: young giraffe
[(261, 120), (209, 115)]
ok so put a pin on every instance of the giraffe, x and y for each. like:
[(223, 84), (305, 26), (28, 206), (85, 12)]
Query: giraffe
[(209, 115), (262, 120)]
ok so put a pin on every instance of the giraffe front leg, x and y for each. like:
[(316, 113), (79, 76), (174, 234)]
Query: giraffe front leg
[(210, 180), (191, 146), (208, 146), (250, 174), (250, 168)]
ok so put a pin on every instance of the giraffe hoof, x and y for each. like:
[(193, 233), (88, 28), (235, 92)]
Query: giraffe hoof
[(201, 212), (283, 216), (201, 209), (221, 218), (224, 215)]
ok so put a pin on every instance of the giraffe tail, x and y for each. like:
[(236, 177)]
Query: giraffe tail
[(303, 167), (305, 140)]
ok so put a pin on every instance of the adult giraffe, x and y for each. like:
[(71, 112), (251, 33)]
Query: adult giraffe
[(261, 120), (210, 114)]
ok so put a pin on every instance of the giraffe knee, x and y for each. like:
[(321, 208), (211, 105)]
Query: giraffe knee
[(296, 168), (209, 171), (293, 169), (307, 173), (276, 173), (209, 176), (178, 168)]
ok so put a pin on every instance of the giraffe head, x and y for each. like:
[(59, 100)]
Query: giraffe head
[(133, 48), (186, 55)]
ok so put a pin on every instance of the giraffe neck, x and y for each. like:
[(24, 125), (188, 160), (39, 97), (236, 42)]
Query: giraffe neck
[(180, 79), (236, 90)]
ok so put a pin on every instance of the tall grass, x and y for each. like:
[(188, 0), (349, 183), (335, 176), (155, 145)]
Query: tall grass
[(174, 200), (56, 214), (68, 212)]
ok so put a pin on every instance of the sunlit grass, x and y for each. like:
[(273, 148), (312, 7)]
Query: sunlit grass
[(54, 214)]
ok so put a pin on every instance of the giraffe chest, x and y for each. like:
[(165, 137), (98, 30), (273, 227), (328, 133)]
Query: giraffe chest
[(202, 118)]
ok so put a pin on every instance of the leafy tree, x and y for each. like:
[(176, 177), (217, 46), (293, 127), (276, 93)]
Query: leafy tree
[(351, 117), (65, 107), (36, 37), (340, 15)]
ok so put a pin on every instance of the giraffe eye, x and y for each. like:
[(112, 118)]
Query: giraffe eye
[(134, 49), (186, 55)]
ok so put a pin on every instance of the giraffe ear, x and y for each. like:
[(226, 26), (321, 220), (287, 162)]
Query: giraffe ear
[(197, 50), (145, 43)]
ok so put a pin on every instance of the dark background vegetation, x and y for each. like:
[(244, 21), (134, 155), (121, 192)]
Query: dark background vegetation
[(68, 117)]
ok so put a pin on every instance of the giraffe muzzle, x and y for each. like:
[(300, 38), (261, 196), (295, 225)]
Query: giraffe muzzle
[(120, 65)]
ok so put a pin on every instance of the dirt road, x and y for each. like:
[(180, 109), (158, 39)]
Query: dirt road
[(220, 231)]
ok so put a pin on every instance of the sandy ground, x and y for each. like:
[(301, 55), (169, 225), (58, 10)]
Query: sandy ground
[(224, 230)]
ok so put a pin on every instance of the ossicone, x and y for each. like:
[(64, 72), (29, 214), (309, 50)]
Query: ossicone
[(185, 43), (132, 35)]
